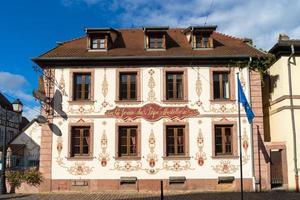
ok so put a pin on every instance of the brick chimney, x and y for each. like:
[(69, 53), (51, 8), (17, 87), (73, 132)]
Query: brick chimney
[(283, 37)]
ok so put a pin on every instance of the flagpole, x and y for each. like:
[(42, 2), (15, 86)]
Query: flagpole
[(240, 141)]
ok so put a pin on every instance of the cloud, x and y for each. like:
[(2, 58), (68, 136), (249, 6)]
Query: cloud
[(260, 20), (15, 85), (12, 81), (31, 112)]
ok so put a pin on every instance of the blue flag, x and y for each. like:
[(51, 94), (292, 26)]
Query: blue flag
[(243, 100)]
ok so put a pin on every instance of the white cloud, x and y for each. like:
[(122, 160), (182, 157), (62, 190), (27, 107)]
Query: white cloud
[(11, 81), (14, 86), (31, 112), (260, 20)]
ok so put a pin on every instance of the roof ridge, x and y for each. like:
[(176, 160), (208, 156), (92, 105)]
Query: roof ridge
[(71, 40)]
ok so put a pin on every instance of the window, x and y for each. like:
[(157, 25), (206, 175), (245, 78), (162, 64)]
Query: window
[(156, 41), (221, 85), (202, 41), (128, 141), (174, 86), (128, 86), (175, 141), (80, 141), (98, 43), (223, 140), (82, 86)]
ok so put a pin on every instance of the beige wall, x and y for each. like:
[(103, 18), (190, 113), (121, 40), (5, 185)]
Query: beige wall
[(280, 114)]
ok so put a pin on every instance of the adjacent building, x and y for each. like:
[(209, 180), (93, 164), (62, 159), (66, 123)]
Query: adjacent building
[(128, 108), (282, 114)]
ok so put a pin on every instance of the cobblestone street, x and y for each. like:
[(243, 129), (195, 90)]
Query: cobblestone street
[(151, 196)]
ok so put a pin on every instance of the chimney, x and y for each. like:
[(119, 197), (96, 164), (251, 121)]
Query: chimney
[(283, 37)]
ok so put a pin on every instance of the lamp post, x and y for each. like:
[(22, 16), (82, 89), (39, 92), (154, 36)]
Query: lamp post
[(17, 107)]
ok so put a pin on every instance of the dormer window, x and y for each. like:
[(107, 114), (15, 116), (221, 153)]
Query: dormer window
[(98, 43), (203, 40), (101, 38), (200, 37), (156, 41), (155, 38)]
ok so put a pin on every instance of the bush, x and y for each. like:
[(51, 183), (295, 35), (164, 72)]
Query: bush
[(16, 178), (33, 177)]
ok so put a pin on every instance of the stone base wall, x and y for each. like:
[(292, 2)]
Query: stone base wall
[(150, 185)]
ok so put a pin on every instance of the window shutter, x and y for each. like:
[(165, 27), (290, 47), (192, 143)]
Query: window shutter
[(164, 41), (211, 42), (194, 41), (106, 42)]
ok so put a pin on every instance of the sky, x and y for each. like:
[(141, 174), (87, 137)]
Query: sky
[(29, 28)]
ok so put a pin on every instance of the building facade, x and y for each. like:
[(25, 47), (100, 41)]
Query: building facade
[(131, 107), (283, 147)]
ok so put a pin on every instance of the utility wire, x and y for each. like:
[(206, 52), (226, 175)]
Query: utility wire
[(14, 97), (208, 12)]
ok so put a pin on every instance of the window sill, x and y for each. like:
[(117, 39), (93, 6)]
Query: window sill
[(175, 101), (97, 50), (225, 157), (203, 48), (128, 101), (79, 102), (80, 158), (222, 101), (154, 49), (128, 158), (176, 157)]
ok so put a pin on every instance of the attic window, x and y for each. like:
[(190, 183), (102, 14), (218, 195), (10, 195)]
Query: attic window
[(202, 40), (98, 43), (155, 37), (156, 41)]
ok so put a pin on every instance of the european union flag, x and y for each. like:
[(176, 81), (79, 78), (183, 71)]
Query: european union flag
[(243, 100)]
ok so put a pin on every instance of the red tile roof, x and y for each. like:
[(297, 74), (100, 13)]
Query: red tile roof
[(130, 43)]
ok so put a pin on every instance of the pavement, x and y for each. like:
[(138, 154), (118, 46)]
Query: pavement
[(274, 195)]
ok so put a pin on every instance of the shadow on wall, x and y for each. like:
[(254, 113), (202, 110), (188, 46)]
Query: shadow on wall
[(57, 105)]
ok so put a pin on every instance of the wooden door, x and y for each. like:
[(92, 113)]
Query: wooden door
[(276, 169)]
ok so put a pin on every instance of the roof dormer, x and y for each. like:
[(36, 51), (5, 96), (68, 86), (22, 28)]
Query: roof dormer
[(200, 37), (155, 37), (100, 39)]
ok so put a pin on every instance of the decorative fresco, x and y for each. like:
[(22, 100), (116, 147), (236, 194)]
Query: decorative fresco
[(225, 167), (152, 112), (82, 109), (104, 91), (151, 85), (177, 165), (245, 144), (62, 84), (103, 156), (78, 169), (200, 155), (223, 108), (128, 166), (152, 155)]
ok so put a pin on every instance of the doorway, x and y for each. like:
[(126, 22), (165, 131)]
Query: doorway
[(276, 168)]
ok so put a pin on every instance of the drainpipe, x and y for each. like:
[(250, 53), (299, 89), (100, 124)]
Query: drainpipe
[(251, 128), (293, 117)]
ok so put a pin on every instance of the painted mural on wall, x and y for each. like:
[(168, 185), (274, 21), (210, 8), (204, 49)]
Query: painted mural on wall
[(152, 112)]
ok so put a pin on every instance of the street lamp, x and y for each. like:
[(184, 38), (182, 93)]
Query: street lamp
[(18, 108)]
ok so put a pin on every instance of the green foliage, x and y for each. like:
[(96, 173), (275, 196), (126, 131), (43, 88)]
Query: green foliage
[(262, 64), (14, 178), (31, 177)]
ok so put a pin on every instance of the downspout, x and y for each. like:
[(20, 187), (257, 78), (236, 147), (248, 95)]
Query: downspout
[(251, 128), (293, 117)]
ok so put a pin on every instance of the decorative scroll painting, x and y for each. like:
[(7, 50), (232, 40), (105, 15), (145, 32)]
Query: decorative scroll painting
[(152, 112), (103, 156), (200, 155), (152, 156), (151, 85), (225, 167), (78, 169), (245, 144)]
